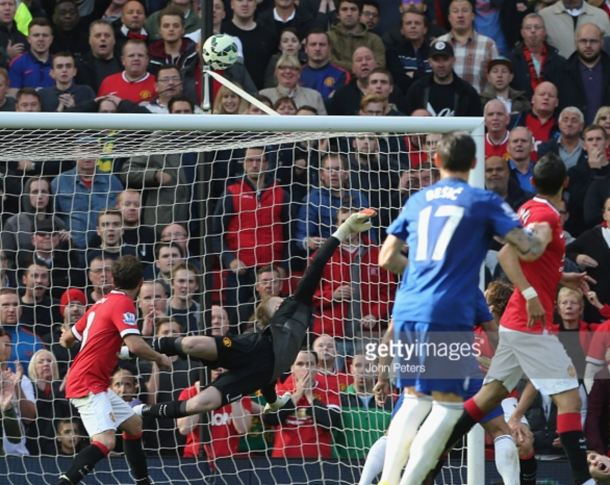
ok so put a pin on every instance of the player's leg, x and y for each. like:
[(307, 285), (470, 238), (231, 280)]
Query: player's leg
[(205, 401), (524, 439), (506, 453), (97, 417), (201, 347), (373, 464), (134, 452)]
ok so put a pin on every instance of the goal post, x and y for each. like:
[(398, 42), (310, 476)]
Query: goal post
[(135, 139)]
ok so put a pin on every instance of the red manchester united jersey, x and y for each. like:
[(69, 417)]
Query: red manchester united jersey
[(600, 343), (135, 91), (101, 331), (543, 274)]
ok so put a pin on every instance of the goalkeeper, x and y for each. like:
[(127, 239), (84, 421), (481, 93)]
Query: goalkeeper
[(256, 360)]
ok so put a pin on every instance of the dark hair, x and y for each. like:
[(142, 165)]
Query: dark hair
[(168, 244), (358, 4), (127, 272), (39, 22), (263, 99), (182, 97), (456, 151), (62, 54), (372, 3), (101, 22), (173, 11), (292, 30), (549, 174), (138, 42), (380, 70), (306, 107), (317, 31), (167, 67), (184, 265), (594, 128), (413, 9), (267, 269), (25, 91), (498, 294), (284, 99)]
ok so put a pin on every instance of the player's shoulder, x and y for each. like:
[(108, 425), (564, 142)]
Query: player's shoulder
[(538, 210)]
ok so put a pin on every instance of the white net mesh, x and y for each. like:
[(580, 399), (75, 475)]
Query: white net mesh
[(241, 241)]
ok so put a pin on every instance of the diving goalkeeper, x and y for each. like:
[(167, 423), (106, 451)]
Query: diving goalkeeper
[(255, 360)]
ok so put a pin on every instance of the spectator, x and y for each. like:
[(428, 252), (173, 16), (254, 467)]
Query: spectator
[(167, 255), (132, 25), (168, 83), (192, 21), (219, 322), (290, 43), (67, 34), (174, 49), (319, 73), (7, 276), (370, 14), (352, 304), (287, 14), (250, 232), (51, 403), (541, 119), (590, 251), (318, 213), (373, 105), (64, 94), (259, 44), (152, 304), (520, 152), (380, 81), (100, 278), (162, 180), (7, 103), (533, 59), (288, 73), (443, 93), (110, 231), (72, 308), (81, 193), (306, 421), (564, 18), (499, 75), (135, 83), (182, 306), (32, 68), (12, 42), (28, 101), (24, 343), (125, 385), (592, 166), (568, 145), (228, 103), (364, 421), (407, 53), (69, 436), (582, 80), (602, 118), (38, 311), (227, 424), (285, 106), (496, 123), (564, 215), (36, 204), (330, 365), (349, 34), (103, 58), (472, 50), (498, 180)]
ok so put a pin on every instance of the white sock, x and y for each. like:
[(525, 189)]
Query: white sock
[(430, 441), (507, 459), (403, 429), (374, 461)]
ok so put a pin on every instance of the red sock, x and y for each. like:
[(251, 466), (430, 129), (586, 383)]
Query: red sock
[(132, 436), (101, 447), (473, 410), (568, 422)]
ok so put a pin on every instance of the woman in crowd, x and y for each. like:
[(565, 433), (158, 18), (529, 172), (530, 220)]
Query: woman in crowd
[(285, 106), (229, 103), (290, 44)]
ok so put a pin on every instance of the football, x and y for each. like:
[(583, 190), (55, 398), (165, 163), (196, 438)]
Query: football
[(220, 51)]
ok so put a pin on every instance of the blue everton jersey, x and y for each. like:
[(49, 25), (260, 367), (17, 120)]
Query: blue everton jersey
[(448, 228)]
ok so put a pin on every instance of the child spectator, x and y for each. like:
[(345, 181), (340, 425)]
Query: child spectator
[(182, 307), (68, 437)]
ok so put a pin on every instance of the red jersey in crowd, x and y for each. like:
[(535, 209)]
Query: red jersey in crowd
[(101, 331), (135, 91), (543, 274), (492, 150), (541, 132)]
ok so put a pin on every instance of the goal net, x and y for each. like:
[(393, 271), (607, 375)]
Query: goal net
[(222, 211)]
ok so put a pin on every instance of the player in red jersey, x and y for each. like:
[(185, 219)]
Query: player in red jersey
[(102, 331), (528, 340)]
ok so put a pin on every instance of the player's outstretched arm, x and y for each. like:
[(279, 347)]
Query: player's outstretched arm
[(67, 339), (358, 222), (138, 347), (509, 260), (391, 257), (382, 388), (530, 244)]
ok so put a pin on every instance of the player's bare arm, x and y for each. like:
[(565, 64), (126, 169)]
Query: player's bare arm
[(529, 245), (491, 329), (138, 347), (509, 260), (391, 256), (382, 388), (67, 339), (519, 430)]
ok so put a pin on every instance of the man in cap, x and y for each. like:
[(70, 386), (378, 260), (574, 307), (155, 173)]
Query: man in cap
[(500, 75)]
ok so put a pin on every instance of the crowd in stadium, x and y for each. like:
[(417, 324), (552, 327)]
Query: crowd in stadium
[(539, 74)]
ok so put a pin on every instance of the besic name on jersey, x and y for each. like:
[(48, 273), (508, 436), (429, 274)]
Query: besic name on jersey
[(443, 193)]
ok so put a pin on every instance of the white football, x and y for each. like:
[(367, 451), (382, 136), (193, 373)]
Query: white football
[(220, 51)]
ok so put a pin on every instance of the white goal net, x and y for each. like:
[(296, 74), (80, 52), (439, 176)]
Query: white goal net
[(222, 211)]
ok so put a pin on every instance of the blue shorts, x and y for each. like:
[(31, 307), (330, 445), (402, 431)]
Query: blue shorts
[(423, 365)]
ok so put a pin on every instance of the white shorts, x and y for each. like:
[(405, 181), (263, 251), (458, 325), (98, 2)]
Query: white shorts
[(508, 406), (541, 357), (102, 412)]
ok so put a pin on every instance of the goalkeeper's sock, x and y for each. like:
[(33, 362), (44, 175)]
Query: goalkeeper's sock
[(529, 469), (135, 456), (430, 440), (83, 463), (569, 429), (169, 346), (373, 465), (173, 409), (401, 433), (507, 459)]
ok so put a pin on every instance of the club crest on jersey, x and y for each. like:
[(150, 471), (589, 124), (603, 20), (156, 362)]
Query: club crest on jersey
[(226, 341), (112, 417), (129, 318), (571, 371)]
